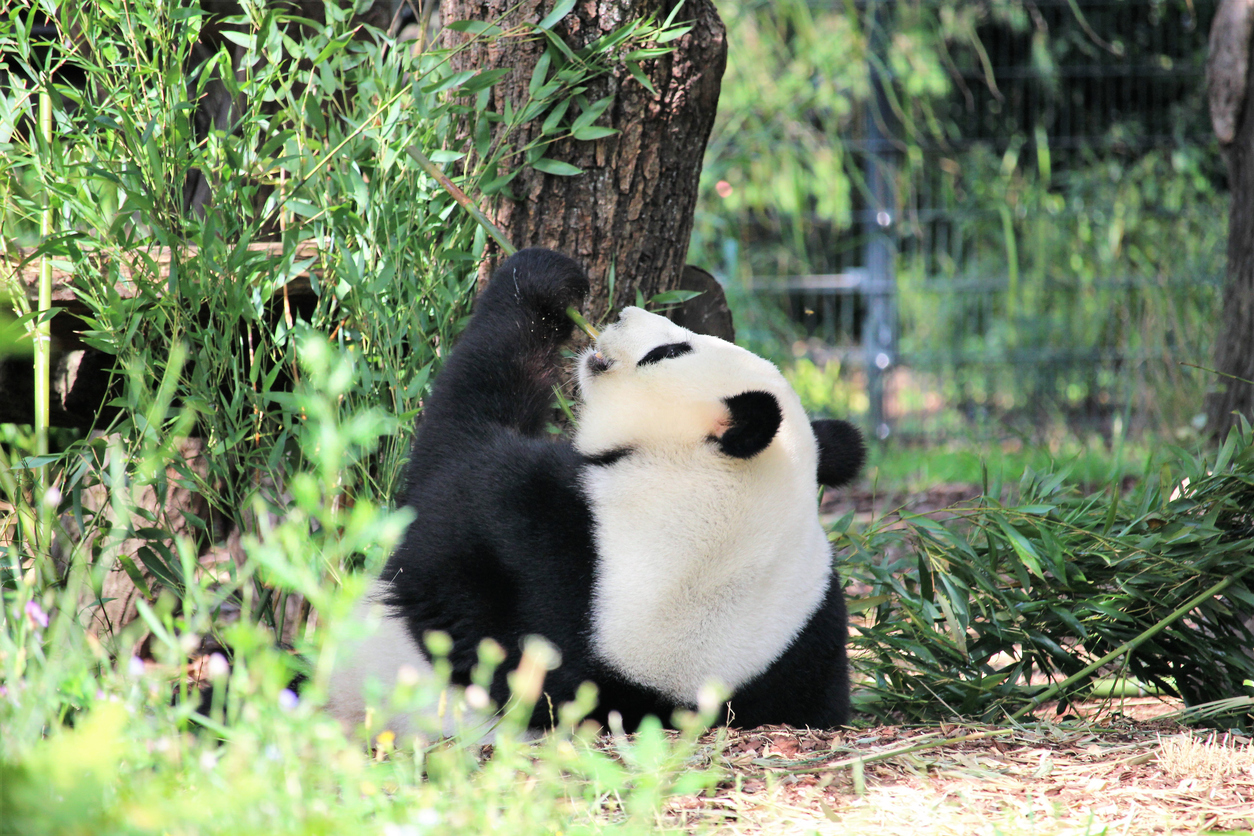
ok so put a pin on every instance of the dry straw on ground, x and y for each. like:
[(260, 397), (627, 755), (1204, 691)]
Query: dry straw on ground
[(1212, 758), (1123, 778)]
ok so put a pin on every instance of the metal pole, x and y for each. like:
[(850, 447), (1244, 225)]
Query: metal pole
[(879, 221)]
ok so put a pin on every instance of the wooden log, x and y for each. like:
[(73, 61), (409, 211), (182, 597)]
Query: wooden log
[(150, 266), (82, 379)]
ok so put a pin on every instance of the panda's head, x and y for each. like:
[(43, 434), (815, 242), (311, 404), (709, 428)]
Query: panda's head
[(650, 384)]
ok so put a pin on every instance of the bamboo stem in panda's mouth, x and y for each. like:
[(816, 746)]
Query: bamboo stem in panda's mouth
[(582, 324)]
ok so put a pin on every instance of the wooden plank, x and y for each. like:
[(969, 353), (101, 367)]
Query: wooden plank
[(851, 281), (25, 269), (82, 382)]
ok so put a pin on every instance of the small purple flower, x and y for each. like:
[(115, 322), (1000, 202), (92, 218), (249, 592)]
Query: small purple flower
[(36, 614), (4, 692), (288, 699)]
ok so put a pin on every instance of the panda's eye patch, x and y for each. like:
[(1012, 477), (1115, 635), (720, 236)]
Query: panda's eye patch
[(665, 352)]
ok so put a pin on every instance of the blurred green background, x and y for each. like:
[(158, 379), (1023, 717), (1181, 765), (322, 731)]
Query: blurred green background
[(1057, 199)]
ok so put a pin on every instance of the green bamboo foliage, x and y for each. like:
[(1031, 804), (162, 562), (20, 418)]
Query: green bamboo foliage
[(999, 606), (314, 159)]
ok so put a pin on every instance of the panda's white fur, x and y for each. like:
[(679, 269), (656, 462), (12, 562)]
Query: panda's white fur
[(674, 543), (378, 654), (380, 657), (707, 565)]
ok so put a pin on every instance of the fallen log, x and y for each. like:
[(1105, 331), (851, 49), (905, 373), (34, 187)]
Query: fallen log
[(83, 377)]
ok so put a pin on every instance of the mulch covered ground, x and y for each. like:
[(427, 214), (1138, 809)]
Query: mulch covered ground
[(1121, 776), (1113, 769)]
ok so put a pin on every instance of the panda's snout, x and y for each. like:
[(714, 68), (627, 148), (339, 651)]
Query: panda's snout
[(598, 362)]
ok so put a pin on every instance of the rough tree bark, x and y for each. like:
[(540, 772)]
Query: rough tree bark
[(633, 205), (1232, 116)]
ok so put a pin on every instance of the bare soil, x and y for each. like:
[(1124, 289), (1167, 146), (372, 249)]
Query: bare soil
[(868, 504)]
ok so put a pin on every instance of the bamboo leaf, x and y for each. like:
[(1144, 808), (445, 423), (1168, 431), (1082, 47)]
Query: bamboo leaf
[(484, 79), (593, 132), (555, 117), (557, 43), (591, 113), (455, 80), (539, 73), (475, 27), (136, 576), (160, 569), (556, 167), (638, 75), (560, 10), (673, 34), (1022, 547), (673, 297)]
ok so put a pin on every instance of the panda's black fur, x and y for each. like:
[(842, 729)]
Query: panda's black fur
[(503, 545)]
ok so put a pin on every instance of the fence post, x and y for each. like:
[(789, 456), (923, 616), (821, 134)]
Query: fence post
[(879, 328)]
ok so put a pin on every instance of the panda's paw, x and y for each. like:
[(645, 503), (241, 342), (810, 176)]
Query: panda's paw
[(540, 280)]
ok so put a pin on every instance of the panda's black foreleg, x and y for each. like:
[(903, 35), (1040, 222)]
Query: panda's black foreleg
[(505, 363), (491, 493)]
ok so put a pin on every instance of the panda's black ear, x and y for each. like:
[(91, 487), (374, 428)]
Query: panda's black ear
[(841, 452), (754, 418)]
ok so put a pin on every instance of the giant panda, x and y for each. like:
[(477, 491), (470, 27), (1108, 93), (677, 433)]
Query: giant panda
[(674, 542)]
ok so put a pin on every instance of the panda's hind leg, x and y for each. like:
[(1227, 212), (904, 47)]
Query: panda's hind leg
[(382, 656)]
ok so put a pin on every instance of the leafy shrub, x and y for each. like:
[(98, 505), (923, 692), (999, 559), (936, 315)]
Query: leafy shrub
[(964, 612)]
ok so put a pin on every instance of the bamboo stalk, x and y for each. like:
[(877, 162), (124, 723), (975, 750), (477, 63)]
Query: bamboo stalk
[(42, 337), (1130, 644), (463, 199), (581, 323), (42, 352)]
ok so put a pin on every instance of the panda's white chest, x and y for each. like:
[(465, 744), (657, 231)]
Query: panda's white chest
[(706, 570)]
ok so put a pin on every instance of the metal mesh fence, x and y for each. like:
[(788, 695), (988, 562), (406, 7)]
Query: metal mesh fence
[(1055, 237)]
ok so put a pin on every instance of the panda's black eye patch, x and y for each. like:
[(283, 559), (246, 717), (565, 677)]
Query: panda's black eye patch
[(665, 352)]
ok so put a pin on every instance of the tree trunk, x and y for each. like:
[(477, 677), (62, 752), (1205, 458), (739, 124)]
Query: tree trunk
[(1232, 115), (632, 207)]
